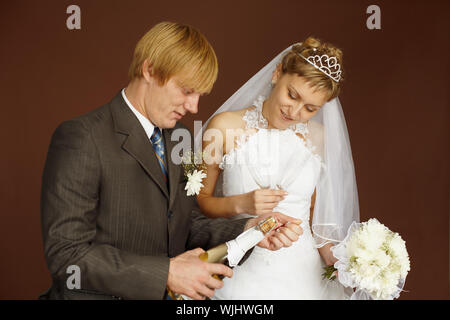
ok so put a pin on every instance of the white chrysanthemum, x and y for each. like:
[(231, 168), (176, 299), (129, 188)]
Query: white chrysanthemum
[(373, 234), (194, 183), (398, 251), (397, 245), (381, 259)]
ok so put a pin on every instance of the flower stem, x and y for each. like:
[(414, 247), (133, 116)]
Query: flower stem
[(330, 272)]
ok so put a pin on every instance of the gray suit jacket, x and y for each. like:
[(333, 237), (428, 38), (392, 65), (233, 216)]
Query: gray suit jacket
[(106, 208)]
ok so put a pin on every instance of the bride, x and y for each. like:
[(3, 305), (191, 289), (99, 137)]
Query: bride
[(280, 144)]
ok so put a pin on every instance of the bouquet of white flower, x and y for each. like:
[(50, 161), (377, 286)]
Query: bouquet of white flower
[(373, 260)]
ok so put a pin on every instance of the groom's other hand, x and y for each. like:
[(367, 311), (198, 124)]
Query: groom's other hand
[(192, 277), (288, 232)]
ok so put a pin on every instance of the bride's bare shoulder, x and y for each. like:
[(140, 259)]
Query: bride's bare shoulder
[(228, 120), (315, 126), (316, 134)]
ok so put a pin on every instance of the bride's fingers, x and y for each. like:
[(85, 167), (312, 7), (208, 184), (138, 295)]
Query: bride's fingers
[(274, 243), (266, 207), (272, 192), (292, 236), (283, 239), (270, 206), (264, 244), (295, 228), (282, 218), (272, 199)]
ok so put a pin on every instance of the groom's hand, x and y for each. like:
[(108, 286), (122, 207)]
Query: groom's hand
[(192, 277), (287, 232)]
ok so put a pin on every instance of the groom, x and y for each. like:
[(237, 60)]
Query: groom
[(115, 215)]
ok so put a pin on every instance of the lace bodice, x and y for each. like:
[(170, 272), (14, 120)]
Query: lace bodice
[(254, 119)]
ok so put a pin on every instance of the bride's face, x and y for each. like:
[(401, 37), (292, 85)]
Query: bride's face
[(292, 101)]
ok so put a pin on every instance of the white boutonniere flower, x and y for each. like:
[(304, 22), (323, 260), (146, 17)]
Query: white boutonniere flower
[(194, 183), (194, 172)]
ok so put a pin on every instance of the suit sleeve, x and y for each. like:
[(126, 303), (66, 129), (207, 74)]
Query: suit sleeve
[(69, 201), (207, 233)]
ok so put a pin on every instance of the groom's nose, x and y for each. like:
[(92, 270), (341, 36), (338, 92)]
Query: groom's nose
[(191, 103)]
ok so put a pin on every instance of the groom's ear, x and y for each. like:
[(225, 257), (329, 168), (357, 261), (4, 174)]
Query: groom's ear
[(146, 70)]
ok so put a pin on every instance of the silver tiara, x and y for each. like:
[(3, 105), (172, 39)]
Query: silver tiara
[(326, 64)]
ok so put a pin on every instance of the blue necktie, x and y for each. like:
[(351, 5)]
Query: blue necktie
[(158, 146)]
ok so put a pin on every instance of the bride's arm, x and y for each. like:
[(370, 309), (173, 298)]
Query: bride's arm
[(211, 206), (215, 207), (324, 251)]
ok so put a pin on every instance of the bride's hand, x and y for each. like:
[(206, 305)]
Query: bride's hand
[(260, 202), (287, 232)]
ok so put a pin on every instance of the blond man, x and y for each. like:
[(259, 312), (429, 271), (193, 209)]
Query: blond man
[(113, 203)]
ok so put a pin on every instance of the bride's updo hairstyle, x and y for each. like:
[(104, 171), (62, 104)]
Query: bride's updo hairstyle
[(293, 63)]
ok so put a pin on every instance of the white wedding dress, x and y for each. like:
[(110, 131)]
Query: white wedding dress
[(278, 159)]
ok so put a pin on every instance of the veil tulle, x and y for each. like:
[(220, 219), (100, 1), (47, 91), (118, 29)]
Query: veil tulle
[(336, 204)]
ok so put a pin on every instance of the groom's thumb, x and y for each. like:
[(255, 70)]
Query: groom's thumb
[(197, 251)]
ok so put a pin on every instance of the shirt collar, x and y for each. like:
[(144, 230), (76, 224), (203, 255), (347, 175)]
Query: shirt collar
[(146, 124)]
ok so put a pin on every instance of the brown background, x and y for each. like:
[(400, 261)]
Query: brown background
[(395, 100)]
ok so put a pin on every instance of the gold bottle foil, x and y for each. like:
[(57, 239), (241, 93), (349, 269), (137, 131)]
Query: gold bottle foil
[(267, 225)]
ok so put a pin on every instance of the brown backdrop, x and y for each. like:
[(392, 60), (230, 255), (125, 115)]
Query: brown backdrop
[(395, 100)]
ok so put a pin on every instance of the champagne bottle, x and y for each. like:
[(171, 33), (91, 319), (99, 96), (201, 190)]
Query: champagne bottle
[(231, 252)]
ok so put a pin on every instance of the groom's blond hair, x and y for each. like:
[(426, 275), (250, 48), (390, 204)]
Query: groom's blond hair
[(176, 49)]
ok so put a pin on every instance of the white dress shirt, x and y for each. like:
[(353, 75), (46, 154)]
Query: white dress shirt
[(146, 124)]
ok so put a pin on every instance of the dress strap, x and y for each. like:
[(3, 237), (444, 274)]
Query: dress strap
[(254, 118)]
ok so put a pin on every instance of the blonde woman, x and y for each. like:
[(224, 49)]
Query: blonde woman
[(280, 144)]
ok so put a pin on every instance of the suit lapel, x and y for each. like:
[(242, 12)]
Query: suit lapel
[(136, 142), (174, 170)]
